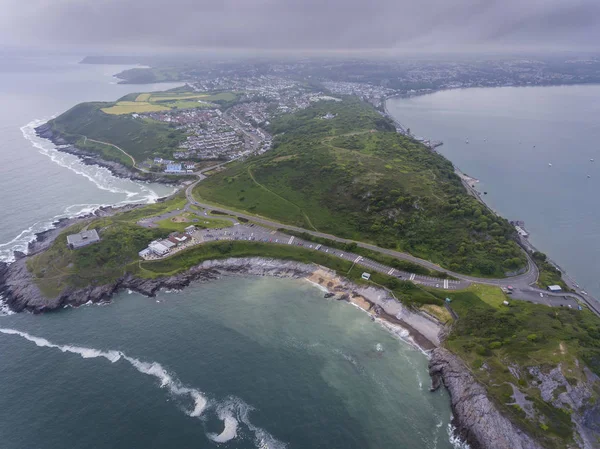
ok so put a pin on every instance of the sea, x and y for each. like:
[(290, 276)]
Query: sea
[(236, 363), (536, 154)]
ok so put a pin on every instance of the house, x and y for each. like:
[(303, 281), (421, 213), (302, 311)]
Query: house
[(190, 229), (82, 239), (366, 276), (554, 288), (158, 248), (145, 253), (177, 240), (158, 160), (173, 168)]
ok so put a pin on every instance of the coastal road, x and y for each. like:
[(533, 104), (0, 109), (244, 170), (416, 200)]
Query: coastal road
[(255, 232), (522, 283), (525, 279)]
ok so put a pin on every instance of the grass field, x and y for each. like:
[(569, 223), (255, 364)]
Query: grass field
[(165, 101), (121, 239), (143, 97), (142, 139), (106, 151), (180, 222), (492, 337), (355, 177), (130, 107)]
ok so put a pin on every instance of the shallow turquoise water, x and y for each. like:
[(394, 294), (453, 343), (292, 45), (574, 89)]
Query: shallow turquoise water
[(279, 364)]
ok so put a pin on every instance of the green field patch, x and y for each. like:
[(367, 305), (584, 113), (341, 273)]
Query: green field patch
[(130, 107), (141, 138), (180, 222), (143, 97), (354, 177), (189, 104)]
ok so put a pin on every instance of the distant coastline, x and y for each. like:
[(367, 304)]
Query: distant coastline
[(527, 246)]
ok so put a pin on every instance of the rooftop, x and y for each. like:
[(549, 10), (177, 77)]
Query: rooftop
[(83, 238)]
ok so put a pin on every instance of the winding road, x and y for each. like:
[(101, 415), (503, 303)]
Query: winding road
[(522, 284)]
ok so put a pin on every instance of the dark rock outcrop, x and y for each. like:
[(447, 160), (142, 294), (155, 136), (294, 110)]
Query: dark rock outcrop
[(21, 293), (90, 158), (477, 420)]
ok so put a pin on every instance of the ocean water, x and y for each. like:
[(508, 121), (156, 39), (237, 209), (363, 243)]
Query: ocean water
[(236, 363), (531, 149), (239, 363), (39, 184)]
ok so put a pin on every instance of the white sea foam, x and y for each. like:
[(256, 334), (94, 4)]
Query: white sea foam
[(319, 286), (86, 353), (4, 309), (101, 177), (262, 438), (456, 442), (231, 411), (225, 412)]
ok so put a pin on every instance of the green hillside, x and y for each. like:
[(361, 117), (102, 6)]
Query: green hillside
[(355, 177), (141, 138)]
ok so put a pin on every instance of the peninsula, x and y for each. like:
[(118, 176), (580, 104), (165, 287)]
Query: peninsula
[(320, 186)]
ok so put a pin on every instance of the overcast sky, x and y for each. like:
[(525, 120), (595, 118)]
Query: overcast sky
[(321, 25)]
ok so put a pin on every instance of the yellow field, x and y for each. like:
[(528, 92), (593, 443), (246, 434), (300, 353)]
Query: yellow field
[(176, 97), (143, 97), (130, 107)]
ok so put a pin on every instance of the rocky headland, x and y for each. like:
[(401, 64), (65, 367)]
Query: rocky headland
[(90, 158), (476, 418)]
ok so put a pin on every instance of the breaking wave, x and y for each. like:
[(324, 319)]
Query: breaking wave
[(231, 412), (456, 442), (101, 177), (4, 309)]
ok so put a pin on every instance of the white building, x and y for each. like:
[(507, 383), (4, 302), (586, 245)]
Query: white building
[(158, 248), (522, 232), (554, 288), (84, 238), (173, 168)]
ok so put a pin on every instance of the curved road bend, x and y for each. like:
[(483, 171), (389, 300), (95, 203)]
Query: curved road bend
[(525, 279), (522, 282)]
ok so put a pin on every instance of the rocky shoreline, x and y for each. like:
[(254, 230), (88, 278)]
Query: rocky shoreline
[(476, 418), (45, 131)]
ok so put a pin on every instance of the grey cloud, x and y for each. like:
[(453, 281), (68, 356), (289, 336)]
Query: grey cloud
[(303, 25)]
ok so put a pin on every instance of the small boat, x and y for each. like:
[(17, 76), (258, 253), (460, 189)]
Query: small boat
[(549, 164), (467, 141), (589, 176), (591, 160)]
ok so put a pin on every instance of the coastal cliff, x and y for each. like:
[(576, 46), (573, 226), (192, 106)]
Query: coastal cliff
[(476, 418), (21, 293), (90, 158)]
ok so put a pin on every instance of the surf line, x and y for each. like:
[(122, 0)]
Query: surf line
[(174, 386)]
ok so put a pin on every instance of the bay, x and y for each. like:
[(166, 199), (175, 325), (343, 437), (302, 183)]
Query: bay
[(531, 149), (277, 363)]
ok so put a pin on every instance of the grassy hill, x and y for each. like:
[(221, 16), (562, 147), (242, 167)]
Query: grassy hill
[(355, 177), (141, 138), (507, 347)]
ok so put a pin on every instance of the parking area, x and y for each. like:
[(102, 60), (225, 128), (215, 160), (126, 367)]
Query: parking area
[(253, 232), (543, 298)]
